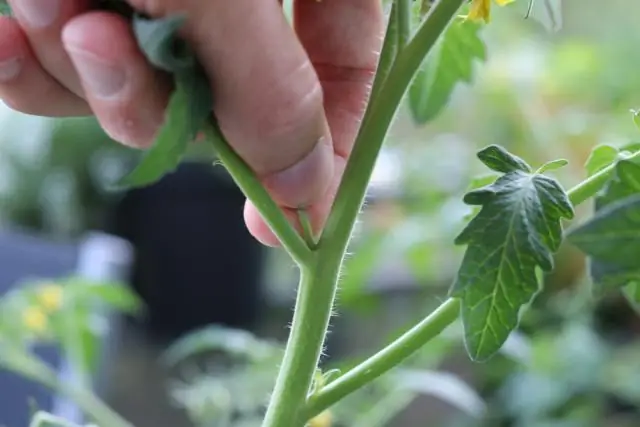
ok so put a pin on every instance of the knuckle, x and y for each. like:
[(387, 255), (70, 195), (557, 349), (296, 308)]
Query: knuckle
[(293, 103)]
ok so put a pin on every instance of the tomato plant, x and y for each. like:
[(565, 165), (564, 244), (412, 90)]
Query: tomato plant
[(517, 226)]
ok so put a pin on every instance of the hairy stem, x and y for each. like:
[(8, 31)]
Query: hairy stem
[(357, 175), (254, 191), (404, 22), (319, 280), (386, 359)]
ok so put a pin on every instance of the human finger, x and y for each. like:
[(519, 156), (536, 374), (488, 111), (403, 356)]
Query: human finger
[(24, 85), (126, 94), (43, 22)]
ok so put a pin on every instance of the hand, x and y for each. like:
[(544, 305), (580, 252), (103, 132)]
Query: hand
[(289, 105)]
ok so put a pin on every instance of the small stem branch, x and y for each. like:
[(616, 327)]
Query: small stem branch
[(254, 191), (592, 185), (307, 230), (386, 359)]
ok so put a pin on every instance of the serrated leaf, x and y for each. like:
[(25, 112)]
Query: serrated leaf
[(611, 238), (601, 157), (190, 104), (450, 62), (609, 274), (516, 232)]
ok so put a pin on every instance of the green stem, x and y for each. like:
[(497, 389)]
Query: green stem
[(592, 185), (404, 22), (386, 359), (357, 175), (36, 370), (310, 322), (387, 56), (90, 404), (254, 191)]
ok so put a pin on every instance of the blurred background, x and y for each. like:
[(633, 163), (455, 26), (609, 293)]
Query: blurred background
[(182, 247)]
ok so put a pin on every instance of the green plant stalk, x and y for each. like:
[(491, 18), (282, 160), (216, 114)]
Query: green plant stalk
[(404, 22), (386, 359), (387, 57), (244, 177), (36, 370), (429, 328), (592, 185), (319, 281), (370, 138)]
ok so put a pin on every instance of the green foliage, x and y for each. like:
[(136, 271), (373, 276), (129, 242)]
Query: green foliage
[(517, 230), (5, 9), (190, 104), (610, 238), (450, 62), (603, 236)]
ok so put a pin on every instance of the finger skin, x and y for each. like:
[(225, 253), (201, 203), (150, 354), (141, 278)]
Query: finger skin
[(127, 96), (24, 85), (268, 99), (343, 39), (43, 22)]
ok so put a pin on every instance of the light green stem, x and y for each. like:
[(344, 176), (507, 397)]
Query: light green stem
[(386, 359), (254, 191), (592, 185), (404, 22)]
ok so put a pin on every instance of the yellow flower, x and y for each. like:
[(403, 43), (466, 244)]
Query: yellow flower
[(480, 10), (35, 319), (323, 419), (50, 297)]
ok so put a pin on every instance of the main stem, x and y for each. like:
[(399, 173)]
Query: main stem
[(319, 278)]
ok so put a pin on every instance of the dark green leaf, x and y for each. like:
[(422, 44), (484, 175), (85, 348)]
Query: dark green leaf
[(500, 160), (609, 273), (190, 104), (601, 157), (450, 62), (612, 232), (189, 107), (5, 9), (158, 39), (516, 231)]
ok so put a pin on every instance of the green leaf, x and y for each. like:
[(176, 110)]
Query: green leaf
[(552, 165), (500, 160), (609, 273), (450, 62), (190, 104), (611, 238), (516, 232), (5, 9), (234, 342), (601, 157)]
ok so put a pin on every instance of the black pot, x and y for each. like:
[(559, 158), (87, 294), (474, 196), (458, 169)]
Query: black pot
[(196, 264)]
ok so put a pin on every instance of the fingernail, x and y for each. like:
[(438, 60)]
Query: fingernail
[(9, 69), (101, 79), (37, 13), (304, 182)]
